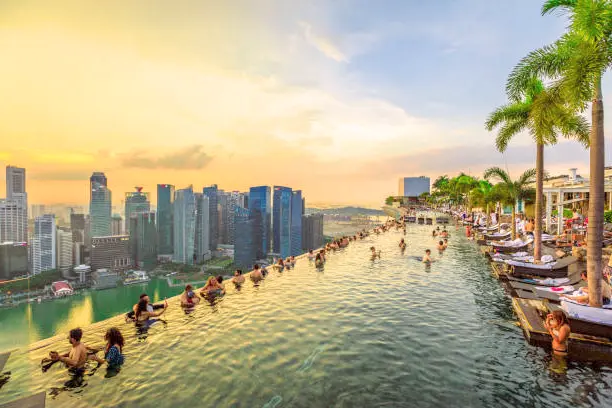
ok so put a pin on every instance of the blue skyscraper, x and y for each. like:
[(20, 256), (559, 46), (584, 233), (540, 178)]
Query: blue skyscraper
[(165, 230), (260, 207), (99, 206), (296, 222), (202, 229), (184, 226), (212, 193), (244, 247), (281, 220)]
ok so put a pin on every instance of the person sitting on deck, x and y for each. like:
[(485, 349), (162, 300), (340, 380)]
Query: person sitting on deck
[(189, 298), (427, 258), (238, 278), (132, 315), (441, 246), (582, 295), (256, 275), (76, 358), (113, 350), (558, 327)]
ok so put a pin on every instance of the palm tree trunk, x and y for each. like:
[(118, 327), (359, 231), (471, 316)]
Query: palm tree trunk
[(487, 223), (596, 199), (514, 220), (537, 244)]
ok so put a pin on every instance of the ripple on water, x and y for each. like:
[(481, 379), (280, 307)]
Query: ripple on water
[(386, 333)]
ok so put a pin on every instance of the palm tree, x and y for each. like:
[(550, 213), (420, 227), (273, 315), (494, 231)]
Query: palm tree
[(481, 196), (577, 62), (514, 190), (544, 115)]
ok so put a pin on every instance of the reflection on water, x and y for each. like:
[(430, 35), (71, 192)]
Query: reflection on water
[(392, 332)]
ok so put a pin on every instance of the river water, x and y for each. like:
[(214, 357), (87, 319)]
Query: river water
[(360, 333)]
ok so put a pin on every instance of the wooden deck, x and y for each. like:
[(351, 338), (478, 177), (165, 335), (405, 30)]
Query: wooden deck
[(530, 314)]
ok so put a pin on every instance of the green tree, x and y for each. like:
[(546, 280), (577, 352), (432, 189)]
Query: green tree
[(481, 196), (544, 115), (576, 63), (389, 200), (513, 190)]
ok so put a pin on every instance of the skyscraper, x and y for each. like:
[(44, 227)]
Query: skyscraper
[(99, 206), (14, 209), (116, 224), (64, 251), (213, 217), (244, 248), (13, 260), (44, 250), (165, 215), (281, 221), (143, 240), (260, 207), (202, 229), (77, 226), (312, 231), (135, 202), (223, 203), (184, 225), (111, 252), (296, 222)]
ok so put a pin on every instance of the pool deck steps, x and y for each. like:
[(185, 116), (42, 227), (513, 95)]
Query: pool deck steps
[(33, 401)]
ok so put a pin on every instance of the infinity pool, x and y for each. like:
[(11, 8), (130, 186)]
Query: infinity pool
[(360, 333)]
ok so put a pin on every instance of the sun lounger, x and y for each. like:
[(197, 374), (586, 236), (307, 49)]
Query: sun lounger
[(557, 269), (588, 320)]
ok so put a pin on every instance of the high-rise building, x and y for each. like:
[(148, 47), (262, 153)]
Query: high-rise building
[(77, 226), (143, 240), (413, 187), (296, 222), (244, 248), (99, 206), (116, 224), (44, 247), (202, 229), (184, 225), (165, 215), (64, 251), (312, 231), (281, 221), (260, 207), (13, 260), (212, 193), (111, 252), (228, 202), (223, 203), (14, 209), (135, 202)]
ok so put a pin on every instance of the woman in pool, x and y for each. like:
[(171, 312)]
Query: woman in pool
[(189, 298), (212, 287), (311, 255), (144, 316), (113, 350), (558, 327), (280, 265), (319, 260)]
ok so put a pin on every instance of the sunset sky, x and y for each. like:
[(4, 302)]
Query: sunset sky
[(337, 98)]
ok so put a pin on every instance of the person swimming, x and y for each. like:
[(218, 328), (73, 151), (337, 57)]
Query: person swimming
[(441, 246), (113, 351), (238, 278), (189, 298), (434, 233), (402, 244), (374, 253), (150, 307), (427, 257)]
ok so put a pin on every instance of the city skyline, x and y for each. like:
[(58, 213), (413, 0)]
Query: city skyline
[(340, 98)]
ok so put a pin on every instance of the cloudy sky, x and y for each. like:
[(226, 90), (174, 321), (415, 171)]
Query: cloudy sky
[(338, 98)]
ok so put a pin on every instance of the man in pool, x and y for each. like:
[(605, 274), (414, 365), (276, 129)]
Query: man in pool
[(402, 244), (256, 275), (445, 243), (238, 278), (189, 298), (374, 253), (427, 258), (77, 356)]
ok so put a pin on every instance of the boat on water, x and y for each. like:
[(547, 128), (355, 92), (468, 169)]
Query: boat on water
[(136, 277)]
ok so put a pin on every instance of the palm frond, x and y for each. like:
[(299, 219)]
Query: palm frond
[(592, 19), (499, 174), (504, 113), (563, 6), (526, 178), (507, 132)]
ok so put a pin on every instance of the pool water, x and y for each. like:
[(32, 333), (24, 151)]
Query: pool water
[(360, 333)]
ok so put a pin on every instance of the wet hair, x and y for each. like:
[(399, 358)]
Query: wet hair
[(220, 279), (239, 271), (560, 317), (441, 243), (256, 267), (144, 295), (141, 307), (113, 336), (188, 288), (445, 239), (372, 248), (428, 251), (76, 334), (310, 251)]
